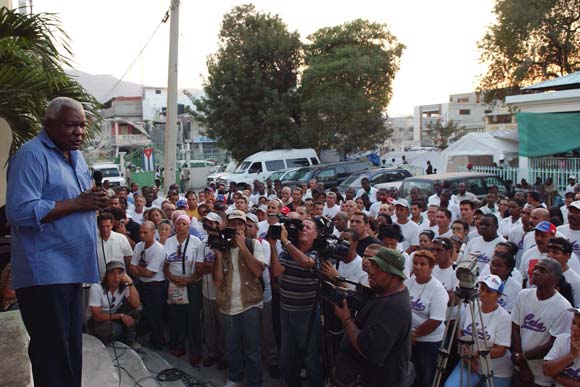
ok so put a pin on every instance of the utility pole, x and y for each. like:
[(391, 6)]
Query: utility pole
[(171, 121)]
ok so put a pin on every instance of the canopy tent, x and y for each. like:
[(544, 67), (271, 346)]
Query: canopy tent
[(481, 144), (544, 134)]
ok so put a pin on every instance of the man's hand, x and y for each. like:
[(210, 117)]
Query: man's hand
[(342, 312), (126, 279), (127, 320), (92, 200), (329, 270), (283, 235), (239, 239), (121, 229)]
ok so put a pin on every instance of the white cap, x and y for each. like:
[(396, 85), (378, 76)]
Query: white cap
[(402, 202), (572, 177), (252, 217), (493, 283), (212, 216), (262, 208), (575, 204)]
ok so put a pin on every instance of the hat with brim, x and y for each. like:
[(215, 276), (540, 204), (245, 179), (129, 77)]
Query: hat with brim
[(575, 204), (115, 265), (213, 217), (237, 214), (545, 226), (484, 210), (390, 261), (493, 283)]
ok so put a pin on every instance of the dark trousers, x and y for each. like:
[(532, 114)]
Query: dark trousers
[(154, 297), (185, 323), (53, 318)]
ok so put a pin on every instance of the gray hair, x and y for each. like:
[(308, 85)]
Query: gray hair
[(149, 225), (55, 106), (554, 266)]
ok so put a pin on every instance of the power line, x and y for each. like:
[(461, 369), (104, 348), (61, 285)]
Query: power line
[(164, 20)]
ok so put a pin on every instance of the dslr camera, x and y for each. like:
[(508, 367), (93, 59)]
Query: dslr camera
[(222, 240), (293, 226)]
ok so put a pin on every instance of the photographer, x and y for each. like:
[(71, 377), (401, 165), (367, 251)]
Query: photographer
[(299, 314), (351, 267), (376, 347), (236, 273)]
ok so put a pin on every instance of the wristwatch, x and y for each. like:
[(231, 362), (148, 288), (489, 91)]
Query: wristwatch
[(128, 283)]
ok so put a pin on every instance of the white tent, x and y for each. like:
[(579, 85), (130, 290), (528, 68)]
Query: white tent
[(498, 146)]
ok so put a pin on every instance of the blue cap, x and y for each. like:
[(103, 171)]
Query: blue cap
[(181, 203)]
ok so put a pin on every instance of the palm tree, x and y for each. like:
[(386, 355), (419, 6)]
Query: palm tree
[(31, 73)]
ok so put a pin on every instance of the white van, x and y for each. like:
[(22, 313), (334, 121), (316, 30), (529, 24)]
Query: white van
[(261, 165), (111, 172)]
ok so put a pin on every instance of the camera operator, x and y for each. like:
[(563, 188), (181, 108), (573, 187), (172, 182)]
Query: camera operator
[(299, 313), (351, 267), (377, 347), (236, 274)]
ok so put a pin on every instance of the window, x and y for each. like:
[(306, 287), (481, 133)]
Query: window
[(314, 161), (489, 181), (275, 165), (302, 162), (157, 91), (256, 167), (463, 100), (326, 175), (475, 186), (464, 112)]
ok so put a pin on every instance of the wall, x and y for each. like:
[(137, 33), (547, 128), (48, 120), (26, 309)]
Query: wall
[(5, 143)]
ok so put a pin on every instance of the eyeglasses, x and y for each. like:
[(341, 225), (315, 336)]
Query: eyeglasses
[(142, 259), (112, 302)]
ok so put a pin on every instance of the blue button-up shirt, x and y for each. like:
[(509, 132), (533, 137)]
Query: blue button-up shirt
[(63, 250)]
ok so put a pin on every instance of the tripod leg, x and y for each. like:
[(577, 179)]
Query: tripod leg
[(485, 366), (446, 347)]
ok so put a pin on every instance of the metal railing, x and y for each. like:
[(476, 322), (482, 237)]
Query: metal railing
[(559, 176)]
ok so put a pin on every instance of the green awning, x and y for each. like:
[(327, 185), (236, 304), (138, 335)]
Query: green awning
[(544, 134)]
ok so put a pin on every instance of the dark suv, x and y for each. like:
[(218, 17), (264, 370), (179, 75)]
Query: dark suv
[(331, 174)]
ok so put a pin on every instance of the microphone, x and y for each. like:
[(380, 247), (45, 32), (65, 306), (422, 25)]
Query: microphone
[(98, 177)]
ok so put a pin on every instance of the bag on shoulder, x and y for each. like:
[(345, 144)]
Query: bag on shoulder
[(177, 295)]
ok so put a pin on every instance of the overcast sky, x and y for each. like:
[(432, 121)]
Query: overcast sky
[(441, 38)]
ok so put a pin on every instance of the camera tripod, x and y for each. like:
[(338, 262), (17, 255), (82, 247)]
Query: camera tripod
[(468, 296)]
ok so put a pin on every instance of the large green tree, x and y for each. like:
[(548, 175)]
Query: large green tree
[(532, 40), (250, 101), (31, 73), (347, 85)]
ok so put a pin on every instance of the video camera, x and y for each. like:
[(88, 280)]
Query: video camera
[(355, 299), (327, 245), (293, 226), (222, 240)]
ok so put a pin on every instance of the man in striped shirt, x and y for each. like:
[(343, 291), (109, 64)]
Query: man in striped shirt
[(299, 316)]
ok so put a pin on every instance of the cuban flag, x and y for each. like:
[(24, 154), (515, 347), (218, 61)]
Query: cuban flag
[(148, 159)]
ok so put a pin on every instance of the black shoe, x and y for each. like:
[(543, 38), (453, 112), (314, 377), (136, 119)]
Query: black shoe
[(209, 361), (222, 364), (274, 372)]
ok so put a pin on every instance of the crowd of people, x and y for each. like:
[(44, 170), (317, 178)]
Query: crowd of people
[(231, 276), (255, 298)]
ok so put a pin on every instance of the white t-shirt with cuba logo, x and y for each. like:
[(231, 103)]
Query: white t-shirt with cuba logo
[(560, 349), (188, 257), (538, 320), (428, 302), (484, 248), (498, 328)]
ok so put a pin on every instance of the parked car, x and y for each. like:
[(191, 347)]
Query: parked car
[(283, 174), (477, 183), (261, 165), (221, 171), (331, 174), (111, 172), (378, 178)]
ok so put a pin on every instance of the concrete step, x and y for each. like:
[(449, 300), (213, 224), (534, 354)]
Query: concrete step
[(130, 366), (98, 370), (15, 370)]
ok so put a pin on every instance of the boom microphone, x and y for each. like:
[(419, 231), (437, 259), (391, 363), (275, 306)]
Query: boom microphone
[(98, 177)]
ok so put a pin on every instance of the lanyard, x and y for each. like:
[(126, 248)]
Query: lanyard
[(183, 255)]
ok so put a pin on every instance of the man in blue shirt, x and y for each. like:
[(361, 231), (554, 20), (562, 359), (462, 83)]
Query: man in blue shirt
[(51, 208)]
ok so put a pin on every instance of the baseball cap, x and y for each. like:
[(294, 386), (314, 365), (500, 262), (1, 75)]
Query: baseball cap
[(263, 208), (493, 283), (285, 210), (390, 261), (575, 204), (484, 210), (115, 265), (212, 216), (221, 197), (252, 217), (237, 214), (545, 226), (402, 202), (571, 177), (181, 203)]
